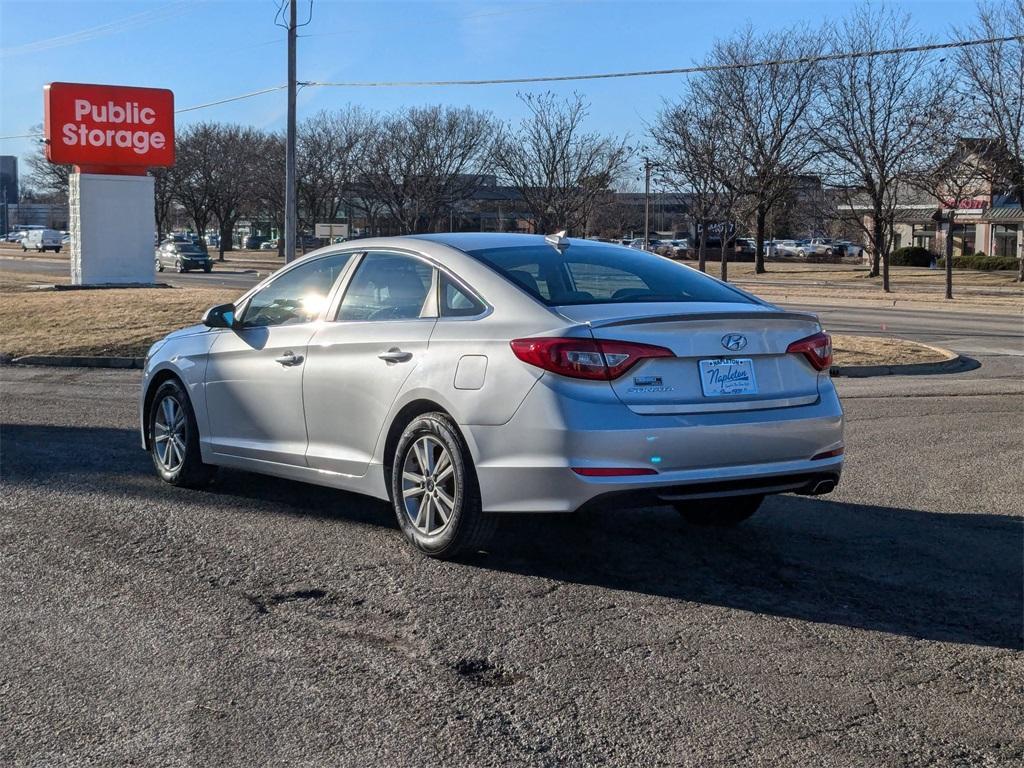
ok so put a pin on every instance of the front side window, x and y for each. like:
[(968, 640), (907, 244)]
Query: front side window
[(297, 296), (602, 274), (386, 286)]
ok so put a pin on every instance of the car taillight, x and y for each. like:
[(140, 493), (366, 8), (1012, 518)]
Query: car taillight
[(817, 349), (585, 358)]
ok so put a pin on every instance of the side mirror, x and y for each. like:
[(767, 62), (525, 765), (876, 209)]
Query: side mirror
[(221, 316)]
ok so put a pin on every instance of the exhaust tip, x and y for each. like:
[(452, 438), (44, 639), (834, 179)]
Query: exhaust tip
[(823, 487)]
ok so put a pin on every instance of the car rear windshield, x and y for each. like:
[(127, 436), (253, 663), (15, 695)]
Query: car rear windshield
[(602, 274)]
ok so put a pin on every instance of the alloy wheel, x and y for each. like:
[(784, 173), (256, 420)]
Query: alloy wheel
[(169, 434), (428, 486)]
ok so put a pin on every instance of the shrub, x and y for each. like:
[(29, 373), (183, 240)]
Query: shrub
[(982, 262), (911, 256)]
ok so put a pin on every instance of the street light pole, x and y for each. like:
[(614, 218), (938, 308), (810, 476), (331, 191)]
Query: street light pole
[(291, 218), (647, 203)]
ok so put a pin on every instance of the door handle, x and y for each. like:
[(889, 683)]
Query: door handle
[(395, 355), (289, 358)]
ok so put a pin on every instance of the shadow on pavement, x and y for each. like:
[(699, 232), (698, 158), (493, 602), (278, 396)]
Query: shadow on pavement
[(947, 577), (935, 576)]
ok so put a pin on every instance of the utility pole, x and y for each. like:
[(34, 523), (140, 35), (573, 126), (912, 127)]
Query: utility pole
[(647, 203), (291, 217)]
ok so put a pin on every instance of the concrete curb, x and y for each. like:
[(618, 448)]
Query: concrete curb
[(953, 363), (79, 361)]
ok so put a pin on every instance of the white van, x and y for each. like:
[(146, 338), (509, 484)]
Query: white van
[(42, 240)]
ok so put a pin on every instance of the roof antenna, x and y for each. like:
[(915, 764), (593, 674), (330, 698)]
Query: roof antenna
[(558, 241)]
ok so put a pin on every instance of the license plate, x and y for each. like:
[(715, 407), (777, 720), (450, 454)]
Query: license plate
[(719, 378)]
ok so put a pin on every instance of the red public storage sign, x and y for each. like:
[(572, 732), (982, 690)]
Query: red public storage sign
[(108, 126)]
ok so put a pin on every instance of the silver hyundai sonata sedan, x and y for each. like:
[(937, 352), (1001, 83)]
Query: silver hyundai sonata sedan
[(462, 375)]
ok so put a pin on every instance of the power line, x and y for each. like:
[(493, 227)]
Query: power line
[(606, 75), (231, 98), (100, 30), (673, 71)]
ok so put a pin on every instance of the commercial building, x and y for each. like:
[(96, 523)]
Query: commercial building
[(986, 218)]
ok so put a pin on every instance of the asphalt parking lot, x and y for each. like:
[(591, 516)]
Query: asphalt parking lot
[(264, 622)]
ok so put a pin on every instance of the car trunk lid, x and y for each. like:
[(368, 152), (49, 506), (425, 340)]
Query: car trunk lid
[(726, 357)]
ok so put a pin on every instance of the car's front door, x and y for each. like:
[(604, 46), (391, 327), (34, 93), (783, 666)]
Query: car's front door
[(255, 370), (359, 360)]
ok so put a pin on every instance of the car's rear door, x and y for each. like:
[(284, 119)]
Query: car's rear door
[(359, 360), (254, 374)]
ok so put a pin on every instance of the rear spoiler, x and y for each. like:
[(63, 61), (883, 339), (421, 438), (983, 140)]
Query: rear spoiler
[(805, 316)]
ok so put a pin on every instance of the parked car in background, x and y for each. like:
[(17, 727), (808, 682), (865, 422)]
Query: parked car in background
[(182, 257), (674, 249), (818, 246), (269, 245), (65, 239), (253, 242), (15, 236), (848, 248), (458, 376), (781, 248), (42, 240), (745, 246)]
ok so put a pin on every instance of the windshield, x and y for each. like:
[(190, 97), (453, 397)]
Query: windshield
[(191, 250), (602, 274)]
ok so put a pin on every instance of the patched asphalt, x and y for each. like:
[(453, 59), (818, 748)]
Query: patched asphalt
[(264, 622)]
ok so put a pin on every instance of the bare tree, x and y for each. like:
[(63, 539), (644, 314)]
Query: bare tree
[(330, 153), (195, 148), (560, 170), (992, 85), (767, 109), (693, 160), (423, 161), (267, 199), (45, 176), (876, 122), (958, 172), (612, 218), (231, 177), (163, 198)]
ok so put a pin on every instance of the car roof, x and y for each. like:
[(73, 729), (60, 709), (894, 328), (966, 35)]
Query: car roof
[(474, 241)]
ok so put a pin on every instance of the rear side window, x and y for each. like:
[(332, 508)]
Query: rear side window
[(602, 274), (386, 286), (456, 302)]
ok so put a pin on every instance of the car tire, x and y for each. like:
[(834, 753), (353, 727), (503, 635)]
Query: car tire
[(178, 267), (159, 266), (719, 513), (207, 270), (828, 251), (56, 250), (448, 486), (187, 471)]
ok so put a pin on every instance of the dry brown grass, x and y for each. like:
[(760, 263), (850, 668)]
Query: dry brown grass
[(869, 350), (98, 322), (126, 321)]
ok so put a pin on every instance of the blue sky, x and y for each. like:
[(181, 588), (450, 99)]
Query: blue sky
[(205, 50)]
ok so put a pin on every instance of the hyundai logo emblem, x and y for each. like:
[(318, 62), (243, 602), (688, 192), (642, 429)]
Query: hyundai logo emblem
[(734, 342)]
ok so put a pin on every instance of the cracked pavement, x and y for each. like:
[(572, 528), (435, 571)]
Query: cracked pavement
[(264, 622)]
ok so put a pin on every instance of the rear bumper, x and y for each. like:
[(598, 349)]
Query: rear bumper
[(526, 464)]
